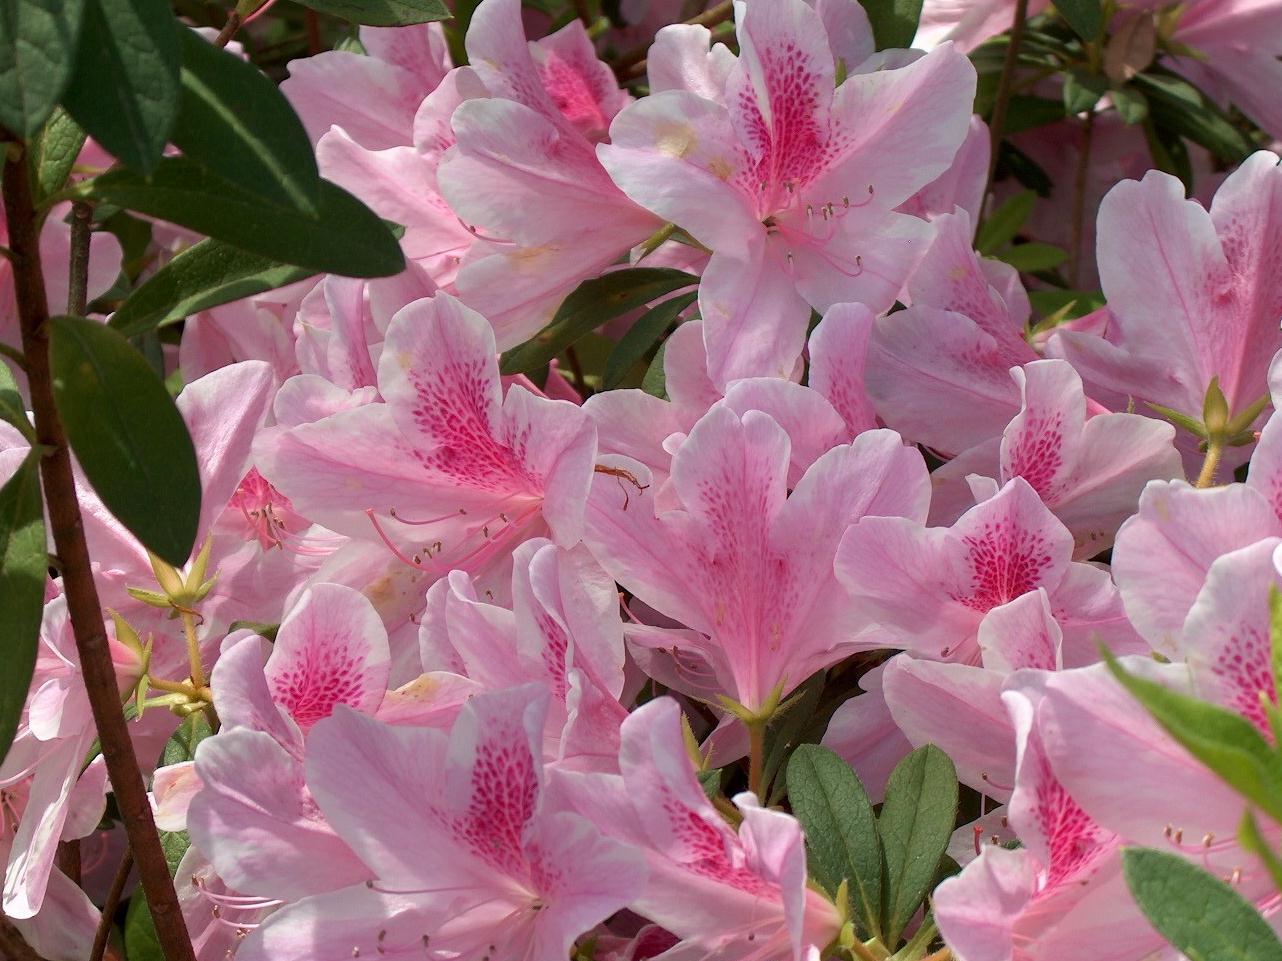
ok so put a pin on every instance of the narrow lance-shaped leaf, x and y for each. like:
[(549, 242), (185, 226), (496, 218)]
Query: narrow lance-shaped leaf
[(24, 566), (382, 13), (1197, 912), (591, 304), (841, 829), (915, 825), (347, 238), (37, 53), (13, 410), (643, 335), (127, 435), (1177, 105), (202, 276), (124, 90), (237, 123)]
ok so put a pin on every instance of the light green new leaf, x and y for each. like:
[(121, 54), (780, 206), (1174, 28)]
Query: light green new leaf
[(124, 91), (24, 565), (38, 41), (1197, 912), (1001, 227)]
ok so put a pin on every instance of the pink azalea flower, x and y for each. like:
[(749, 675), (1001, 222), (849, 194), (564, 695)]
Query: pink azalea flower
[(1209, 301), (446, 472), (931, 589), (790, 183), (1088, 467), (967, 23), (743, 564), (512, 874), (734, 896)]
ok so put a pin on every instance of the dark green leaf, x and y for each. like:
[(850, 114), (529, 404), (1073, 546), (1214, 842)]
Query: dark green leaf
[(237, 123), (1083, 90), (347, 238), (24, 566), (13, 410), (1197, 912), (1084, 16), (841, 829), (1132, 106), (894, 22), (37, 54), (1003, 224), (54, 152), (915, 825), (1031, 258), (382, 13), (141, 942), (590, 305), (643, 335), (655, 381), (1177, 105), (1224, 741), (124, 90), (202, 276), (127, 435), (1027, 112)]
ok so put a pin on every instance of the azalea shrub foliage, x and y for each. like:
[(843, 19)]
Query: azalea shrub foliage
[(754, 481)]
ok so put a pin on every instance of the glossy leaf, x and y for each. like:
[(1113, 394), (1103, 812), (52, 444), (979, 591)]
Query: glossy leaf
[(1131, 105), (382, 13), (347, 238), (591, 304), (643, 335), (655, 381), (141, 940), (127, 435), (1182, 108), (1083, 90), (24, 565), (1197, 912), (13, 409), (1225, 742), (124, 91), (1031, 258), (236, 122), (1086, 17), (894, 22), (1003, 224), (37, 54), (915, 825), (54, 152), (841, 829), (202, 276)]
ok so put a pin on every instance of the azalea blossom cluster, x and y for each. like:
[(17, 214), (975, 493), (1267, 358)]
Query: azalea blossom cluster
[(468, 645)]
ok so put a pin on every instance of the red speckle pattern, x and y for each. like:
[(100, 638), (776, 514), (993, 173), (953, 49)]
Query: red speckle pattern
[(1037, 454), (1243, 671), (706, 849), (504, 794), (1006, 561), (269, 513), (555, 647), (571, 89), (325, 672), (1075, 841)]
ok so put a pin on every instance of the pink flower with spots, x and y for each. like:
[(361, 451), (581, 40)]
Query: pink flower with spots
[(446, 472), (792, 183), (731, 895), (742, 562), (470, 858)]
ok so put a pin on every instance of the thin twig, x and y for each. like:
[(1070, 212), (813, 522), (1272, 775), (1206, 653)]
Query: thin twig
[(312, 24), (69, 859), (1079, 202), (997, 125), (103, 934), (632, 63), (229, 29), (77, 576), (78, 285)]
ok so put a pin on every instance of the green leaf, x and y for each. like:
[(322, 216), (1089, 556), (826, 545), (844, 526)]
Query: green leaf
[(124, 90), (1225, 742), (37, 55), (643, 335), (915, 825), (1177, 105), (1030, 258), (589, 306), (346, 239), (24, 565), (1003, 224), (382, 13), (202, 276), (655, 381), (13, 409), (54, 152), (1083, 90), (1132, 106), (141, 942), (894, 22), (1252, 839), (236, 123), (710, 781), (841, 829), (1197, 912), (1027, 112), (127, 435), (1084, 16)]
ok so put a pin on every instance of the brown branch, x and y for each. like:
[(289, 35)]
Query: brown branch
[(69, 860), (1080, 184), (632, 63), (997, 123), (229, 29), (77, 575), (103, 934), (13, 946), (78, 287)]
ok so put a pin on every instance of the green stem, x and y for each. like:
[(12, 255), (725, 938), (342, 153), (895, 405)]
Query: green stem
[(1214, 451), (78, 283), (756, 754)]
